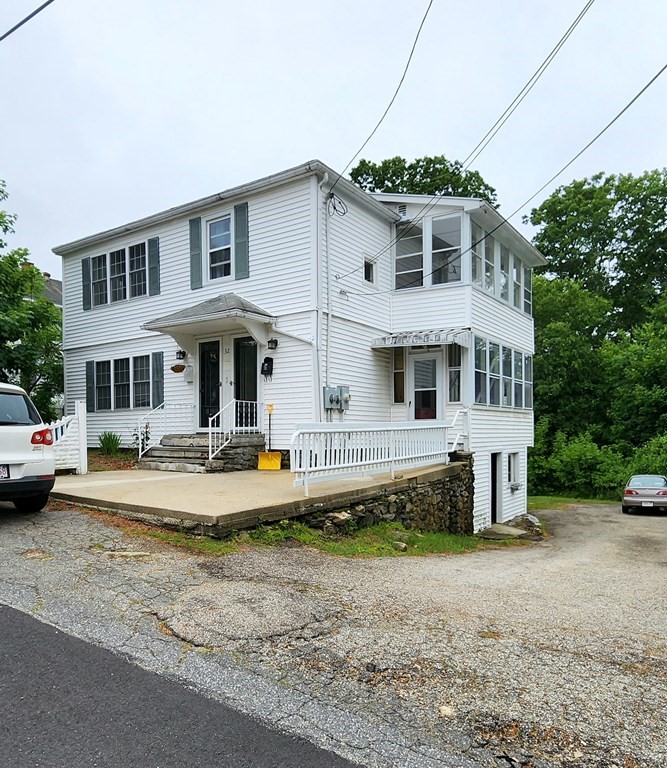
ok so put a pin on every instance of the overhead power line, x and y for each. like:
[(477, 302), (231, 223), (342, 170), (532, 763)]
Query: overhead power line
[(393, 98), (27, 18), (546, 184), (488, 136), (527, 88)]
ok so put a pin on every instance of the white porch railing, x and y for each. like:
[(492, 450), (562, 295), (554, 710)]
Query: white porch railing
[(325, 450), (70, 440), (166, 419), (239, 417)]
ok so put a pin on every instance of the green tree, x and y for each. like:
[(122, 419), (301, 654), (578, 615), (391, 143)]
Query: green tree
[(636, 366), (423, 176), (610, 233), (569, 366), (30, 325)]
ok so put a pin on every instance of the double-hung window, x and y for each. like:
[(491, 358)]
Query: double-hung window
[(137, 270), (141, 381), (477, 250), (123, 383), (480, 371), (103, 385), (454, 372), (446, 250), (99, 279), (409, 257), (220, 247), (106, 275), (398, 359), (118, 273)]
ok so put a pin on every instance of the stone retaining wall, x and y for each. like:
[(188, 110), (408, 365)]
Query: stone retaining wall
[(441, 500)]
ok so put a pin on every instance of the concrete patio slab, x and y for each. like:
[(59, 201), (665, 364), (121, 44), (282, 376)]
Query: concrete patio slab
[(230, 500)]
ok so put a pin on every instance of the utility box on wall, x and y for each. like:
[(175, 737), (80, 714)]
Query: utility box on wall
[(337, 398)]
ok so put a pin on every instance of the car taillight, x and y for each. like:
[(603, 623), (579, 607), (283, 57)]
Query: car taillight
[(661, 493), (630, 492), (42, 437)]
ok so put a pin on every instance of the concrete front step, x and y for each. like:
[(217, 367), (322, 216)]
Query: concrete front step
[(171, 466), (201, 441)]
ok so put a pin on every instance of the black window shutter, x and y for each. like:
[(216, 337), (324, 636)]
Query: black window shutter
[(86, 284), (157, 379), (153, 266), (241, 251), (90, 386), (195, 254)]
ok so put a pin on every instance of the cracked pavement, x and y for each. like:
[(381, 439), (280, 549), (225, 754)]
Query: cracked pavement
[(550, 654)]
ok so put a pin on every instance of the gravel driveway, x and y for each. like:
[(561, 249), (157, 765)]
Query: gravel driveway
[(549, 654)]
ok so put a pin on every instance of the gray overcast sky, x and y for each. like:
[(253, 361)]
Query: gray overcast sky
[(115, 110)]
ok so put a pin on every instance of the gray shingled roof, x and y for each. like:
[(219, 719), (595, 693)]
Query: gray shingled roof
[(225, 305)]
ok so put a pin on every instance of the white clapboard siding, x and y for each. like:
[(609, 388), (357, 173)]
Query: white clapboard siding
[(352, 239), (367, 372), (505, 431), (443, 306), (293, 389), (281, 256), (496, 320), (122, 421)]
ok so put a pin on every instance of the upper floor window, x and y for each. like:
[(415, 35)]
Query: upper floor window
[(99, 277), (429, 252), (105, 277), (409, 256), (220, 247), (446, 250), (499, 271)]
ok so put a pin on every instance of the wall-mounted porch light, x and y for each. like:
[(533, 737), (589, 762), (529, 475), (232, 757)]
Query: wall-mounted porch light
[(272, 343), (181, 354)]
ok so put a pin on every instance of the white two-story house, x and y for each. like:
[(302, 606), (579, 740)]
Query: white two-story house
[(282, 290)]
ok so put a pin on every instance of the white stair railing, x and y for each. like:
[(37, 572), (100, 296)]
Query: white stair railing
[(325, 450), (166, 419), (238, 417)]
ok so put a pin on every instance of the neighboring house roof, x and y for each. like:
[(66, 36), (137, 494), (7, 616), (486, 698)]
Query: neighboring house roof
[(53, 290), (225, 305), (312, 168)]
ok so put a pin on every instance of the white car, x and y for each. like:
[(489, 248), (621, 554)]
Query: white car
[(27, 462)]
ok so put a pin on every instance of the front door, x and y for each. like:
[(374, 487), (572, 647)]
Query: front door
[(245, 381), (209, 381), (424, 386)]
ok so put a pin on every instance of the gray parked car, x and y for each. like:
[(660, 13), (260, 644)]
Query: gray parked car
[(645, 492)]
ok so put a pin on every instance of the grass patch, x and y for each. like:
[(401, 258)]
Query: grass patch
[(560, 502), (377, 541)]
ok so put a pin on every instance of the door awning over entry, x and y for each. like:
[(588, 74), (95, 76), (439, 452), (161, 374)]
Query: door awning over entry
[(461, 336), (207, 316)]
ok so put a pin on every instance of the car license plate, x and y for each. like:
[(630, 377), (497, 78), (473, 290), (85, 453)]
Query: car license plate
[(4, 472), (647, 503)]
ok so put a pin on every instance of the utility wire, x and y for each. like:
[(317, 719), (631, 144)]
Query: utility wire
[(27, 18), (488, 136), (527, 88), (393, 98), (544, 186)]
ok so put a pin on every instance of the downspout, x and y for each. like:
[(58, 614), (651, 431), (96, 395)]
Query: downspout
[(320, 209)]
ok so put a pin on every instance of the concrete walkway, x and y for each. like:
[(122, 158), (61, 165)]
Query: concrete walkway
[(229, 500)]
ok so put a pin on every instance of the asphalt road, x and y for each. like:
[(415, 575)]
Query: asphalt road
[(67, 703)]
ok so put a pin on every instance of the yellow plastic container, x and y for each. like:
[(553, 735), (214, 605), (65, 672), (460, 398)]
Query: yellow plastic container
[(269, 460)]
